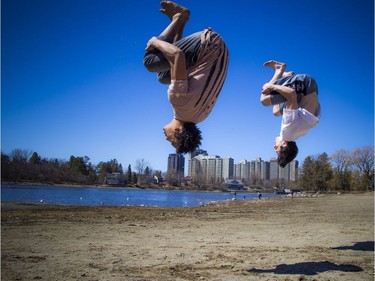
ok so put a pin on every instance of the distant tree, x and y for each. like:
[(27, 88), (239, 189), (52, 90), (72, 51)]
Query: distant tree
[(198, 178), (79, 164), (147, 171), (129, 175), (19, 158), (158, 174), (80, 170), (341, 162), (307, 174), (104, 168), (34, 168), (363, 160), (324, 171), (6, 168), (5, 159), (135, 178), (20, 155), (141, 165), (315, 173), (147, 177), (111, 166), (35, 159), (173, 178)]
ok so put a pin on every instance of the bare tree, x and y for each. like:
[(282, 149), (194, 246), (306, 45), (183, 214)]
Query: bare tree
[(363, 159), (198, 178), (173, 178), (140, 166), (20, 155), (341, 161)]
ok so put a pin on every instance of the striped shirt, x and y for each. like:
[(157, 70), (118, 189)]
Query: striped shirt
[(193, 99)]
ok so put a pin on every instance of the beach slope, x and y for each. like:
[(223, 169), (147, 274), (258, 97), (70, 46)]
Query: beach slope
[(328, 237)]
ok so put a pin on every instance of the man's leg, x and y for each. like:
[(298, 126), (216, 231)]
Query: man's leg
[(170, 8), (174, 55), (278, 67), (154, 60), (276, 100)]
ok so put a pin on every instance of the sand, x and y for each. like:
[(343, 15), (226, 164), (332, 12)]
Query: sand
[(329, 237)]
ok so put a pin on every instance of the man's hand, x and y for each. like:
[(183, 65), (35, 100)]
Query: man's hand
[(267, 89), (151, 44)]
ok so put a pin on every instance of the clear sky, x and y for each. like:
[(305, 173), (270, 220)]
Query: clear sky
[(73, 81)]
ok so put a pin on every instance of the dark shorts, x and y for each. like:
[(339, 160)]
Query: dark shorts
[(304, 85)]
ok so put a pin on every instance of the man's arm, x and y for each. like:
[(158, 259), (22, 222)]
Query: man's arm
[(289, 93), (174, 55), (276, 110)]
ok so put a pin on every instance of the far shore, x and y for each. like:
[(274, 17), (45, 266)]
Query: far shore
[(153, 187)]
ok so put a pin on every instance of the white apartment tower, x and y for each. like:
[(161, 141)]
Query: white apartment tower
[(228, 165), (208, 167)]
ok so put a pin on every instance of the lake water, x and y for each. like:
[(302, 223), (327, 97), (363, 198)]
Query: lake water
[(92, 196)]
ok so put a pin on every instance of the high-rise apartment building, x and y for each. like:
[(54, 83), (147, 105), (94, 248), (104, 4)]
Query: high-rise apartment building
[(258, 168), (288, 173), (228, 164), (274, 169), (242, 170), (293, 170), (265, 170), (209, 168), (176, 163), (213, 168)]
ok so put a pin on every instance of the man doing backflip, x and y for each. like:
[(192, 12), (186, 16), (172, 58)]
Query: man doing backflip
[(295, 97), (195, 67)]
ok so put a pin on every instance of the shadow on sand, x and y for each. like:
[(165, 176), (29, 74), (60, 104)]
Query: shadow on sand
[(308, 268), (359, 246)]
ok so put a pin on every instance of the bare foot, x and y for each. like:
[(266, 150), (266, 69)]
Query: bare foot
[(275, 65), (170, 8)]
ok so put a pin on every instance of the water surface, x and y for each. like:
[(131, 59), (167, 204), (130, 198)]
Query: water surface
[(93, 196)]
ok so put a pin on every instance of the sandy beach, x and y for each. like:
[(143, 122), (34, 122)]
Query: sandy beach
[(328, 237)]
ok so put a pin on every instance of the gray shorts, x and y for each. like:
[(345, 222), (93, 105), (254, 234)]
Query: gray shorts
[(309, 87), (155, 61)]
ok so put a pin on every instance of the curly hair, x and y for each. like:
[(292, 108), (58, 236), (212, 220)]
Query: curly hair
[(287, 154), (189, 139)]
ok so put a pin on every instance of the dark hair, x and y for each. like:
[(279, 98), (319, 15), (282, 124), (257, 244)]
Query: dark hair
[(189, 139), (287, 153)]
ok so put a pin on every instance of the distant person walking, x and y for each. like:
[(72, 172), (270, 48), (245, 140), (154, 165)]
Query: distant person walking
[(194, 67), (295, 98)]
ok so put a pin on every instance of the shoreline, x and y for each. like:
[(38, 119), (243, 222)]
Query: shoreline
[(127, 187)]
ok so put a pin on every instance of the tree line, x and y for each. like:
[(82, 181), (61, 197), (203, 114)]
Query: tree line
[(343, 171), (25, 166)]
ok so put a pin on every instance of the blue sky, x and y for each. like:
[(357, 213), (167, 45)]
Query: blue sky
[(73, 82)]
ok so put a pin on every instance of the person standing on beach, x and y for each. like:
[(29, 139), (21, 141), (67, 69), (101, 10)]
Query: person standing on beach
[(295, 98), (194, 67)]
